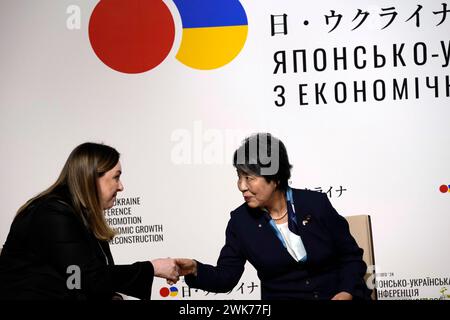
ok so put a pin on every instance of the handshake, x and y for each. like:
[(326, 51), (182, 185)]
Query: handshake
[(172, 269)]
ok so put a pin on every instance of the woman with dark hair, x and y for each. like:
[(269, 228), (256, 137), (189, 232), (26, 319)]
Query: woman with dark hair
[(57, 247), (299, 245)]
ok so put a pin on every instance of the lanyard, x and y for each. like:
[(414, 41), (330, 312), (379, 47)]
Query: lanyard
[(291, 215), (291, 208)]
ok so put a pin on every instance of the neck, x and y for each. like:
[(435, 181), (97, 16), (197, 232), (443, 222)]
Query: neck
[(277, 204)]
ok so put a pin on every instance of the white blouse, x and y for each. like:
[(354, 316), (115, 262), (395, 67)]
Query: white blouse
[(294, 244)]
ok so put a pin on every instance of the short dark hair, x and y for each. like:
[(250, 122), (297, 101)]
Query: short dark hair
[(259, 154)]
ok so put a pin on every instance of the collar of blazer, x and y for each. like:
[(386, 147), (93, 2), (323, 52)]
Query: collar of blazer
[(307, 206)]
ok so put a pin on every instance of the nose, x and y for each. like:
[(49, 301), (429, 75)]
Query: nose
[(120, 187), (242, 185)]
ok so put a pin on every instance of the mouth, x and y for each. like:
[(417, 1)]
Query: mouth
[(247, 198)]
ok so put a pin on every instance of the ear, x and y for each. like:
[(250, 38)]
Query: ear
[(277, 184)]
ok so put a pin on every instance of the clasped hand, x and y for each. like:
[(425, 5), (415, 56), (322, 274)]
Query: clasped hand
[(173, 269), (166, 268)]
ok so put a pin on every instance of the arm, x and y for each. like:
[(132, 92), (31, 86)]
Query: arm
[(352, 266), (224, 276), (61, 240)]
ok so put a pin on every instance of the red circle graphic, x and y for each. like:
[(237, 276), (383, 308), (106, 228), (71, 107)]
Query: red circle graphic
[(164, 292), (131, 36), (443, 188)]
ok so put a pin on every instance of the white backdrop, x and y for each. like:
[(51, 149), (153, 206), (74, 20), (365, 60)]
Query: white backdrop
[(176, 128)]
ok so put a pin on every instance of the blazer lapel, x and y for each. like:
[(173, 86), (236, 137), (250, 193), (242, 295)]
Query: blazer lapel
[(267, 237), (308, 225)]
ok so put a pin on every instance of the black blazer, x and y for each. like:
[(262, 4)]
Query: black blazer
[(48, 238), (334, 260)]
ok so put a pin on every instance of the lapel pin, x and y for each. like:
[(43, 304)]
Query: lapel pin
[(306, 220)]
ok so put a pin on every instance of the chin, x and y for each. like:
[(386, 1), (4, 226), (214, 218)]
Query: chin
[(108, 206), (252, 205)]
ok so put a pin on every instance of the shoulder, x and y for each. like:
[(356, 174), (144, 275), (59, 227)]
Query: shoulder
[(50, 210), (242, 208), (307, 193), (55, 219), (53, 204), (312, 202), (48, 218), (241, 211), (308, 196), (244, 214)]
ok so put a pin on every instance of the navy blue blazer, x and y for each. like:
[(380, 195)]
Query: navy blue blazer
[(334, 260)]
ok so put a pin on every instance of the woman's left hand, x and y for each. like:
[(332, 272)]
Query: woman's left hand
[(342, 296)]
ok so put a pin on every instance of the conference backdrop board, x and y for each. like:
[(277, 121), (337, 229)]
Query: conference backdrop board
[(358, 91)]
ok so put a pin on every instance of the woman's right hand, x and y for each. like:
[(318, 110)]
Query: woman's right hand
[(184, 267), (166, 268)]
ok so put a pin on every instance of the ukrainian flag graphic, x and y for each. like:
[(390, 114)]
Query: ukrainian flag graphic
[(214, 32)]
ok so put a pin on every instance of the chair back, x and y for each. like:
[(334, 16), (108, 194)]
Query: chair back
[(361, 230)]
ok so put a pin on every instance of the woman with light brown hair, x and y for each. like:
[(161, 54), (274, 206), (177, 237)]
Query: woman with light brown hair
[(57, 247)]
